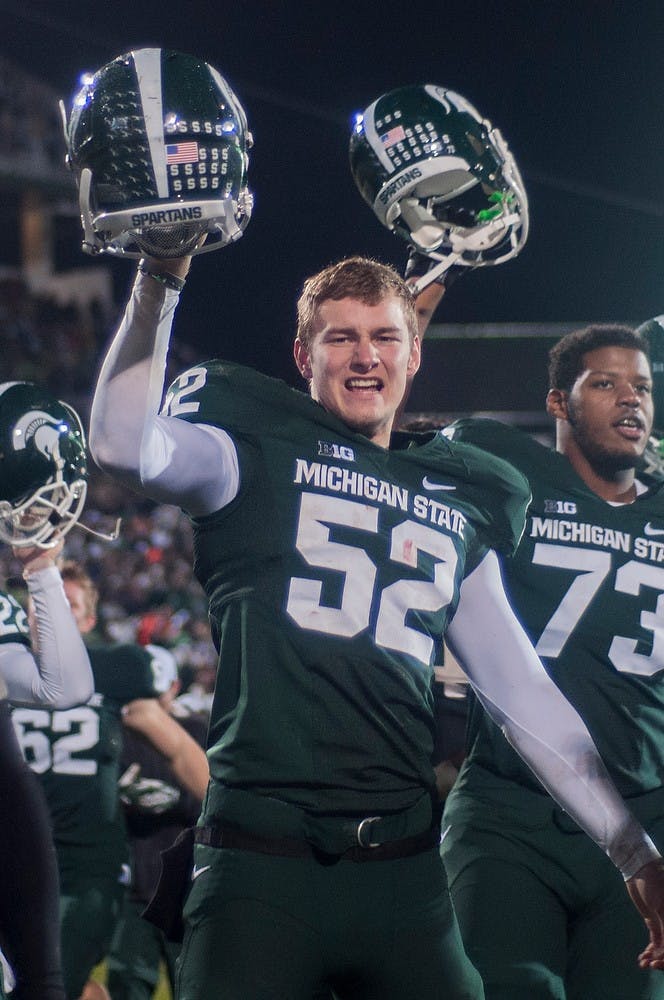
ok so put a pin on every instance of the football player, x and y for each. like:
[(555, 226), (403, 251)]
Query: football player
[(42, 490), (587, 584), (335, 557), (76, 754)]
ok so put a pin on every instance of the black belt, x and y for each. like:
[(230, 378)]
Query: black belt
[(223, 835)]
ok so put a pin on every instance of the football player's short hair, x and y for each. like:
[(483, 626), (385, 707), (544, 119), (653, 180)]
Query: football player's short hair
[(566, 358), (73, 572), (359, 278)]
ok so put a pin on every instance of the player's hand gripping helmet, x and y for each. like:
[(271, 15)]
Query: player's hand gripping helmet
[(158, 142), (43, 473), (652, 332), (441, 177)]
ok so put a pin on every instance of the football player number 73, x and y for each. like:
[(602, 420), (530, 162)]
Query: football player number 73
[(590, 569), (359, 591)]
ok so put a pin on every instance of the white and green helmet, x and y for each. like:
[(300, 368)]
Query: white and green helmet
[(43, 466), (440, 176), (158, 142)]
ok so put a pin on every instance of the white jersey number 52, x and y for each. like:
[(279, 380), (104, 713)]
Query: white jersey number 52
[(359, 576)]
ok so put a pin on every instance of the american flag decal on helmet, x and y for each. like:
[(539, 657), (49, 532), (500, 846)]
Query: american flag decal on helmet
[(395, 134), (182, 152)]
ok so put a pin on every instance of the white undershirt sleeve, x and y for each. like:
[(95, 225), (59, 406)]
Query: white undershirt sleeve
[(165, 458), (58, 673), (544, 728)]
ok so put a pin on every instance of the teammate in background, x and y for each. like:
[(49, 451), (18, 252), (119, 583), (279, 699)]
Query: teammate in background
[(586, 583), (76, 755), (156, 809), (35, 482), (310, 589)]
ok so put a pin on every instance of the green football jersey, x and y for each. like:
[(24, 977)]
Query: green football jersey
[(587, 582), (13, 621), (331, 579), (76, 754)]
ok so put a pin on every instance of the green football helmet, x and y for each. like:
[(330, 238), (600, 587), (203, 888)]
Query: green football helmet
[(158, 142), (652, 332), (441, 177), (43, 471)]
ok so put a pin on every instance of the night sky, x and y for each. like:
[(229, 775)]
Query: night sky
[(577, 89)]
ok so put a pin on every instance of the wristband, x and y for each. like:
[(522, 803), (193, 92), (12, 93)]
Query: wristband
[(163, 277)]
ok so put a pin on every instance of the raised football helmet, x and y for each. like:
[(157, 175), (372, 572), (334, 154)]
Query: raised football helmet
[(652, 332), (158, 142), (43, 472), (441, 177)]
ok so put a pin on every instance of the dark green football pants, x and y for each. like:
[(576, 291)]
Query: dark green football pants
[(89, 908), (543, 913), (135, 956), (261, 927)]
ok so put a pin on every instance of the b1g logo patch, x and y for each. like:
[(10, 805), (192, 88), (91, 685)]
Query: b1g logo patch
[(331, 450), (559, 507)]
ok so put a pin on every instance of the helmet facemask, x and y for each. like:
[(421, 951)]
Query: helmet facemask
[(45, 516)]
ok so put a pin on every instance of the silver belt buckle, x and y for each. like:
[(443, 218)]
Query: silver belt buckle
[(366, 822)]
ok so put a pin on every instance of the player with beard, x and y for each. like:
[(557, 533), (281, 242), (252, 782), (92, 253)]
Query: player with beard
[(587, 582)]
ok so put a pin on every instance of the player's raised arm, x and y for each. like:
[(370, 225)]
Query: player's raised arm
[(43, 484), (174, 186)]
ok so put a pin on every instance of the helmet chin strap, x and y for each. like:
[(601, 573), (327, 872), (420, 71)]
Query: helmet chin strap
[(105, 536), (434, 273), (54, 539), (91, 242)]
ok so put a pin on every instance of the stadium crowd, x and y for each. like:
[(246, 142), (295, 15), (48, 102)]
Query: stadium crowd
[(147, 591)]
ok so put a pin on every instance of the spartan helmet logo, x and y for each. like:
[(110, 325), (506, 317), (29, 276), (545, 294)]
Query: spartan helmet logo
[(41, 431)]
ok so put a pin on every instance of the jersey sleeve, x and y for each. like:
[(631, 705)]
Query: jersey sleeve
[(499, 495), (57, 673), (13, 621), (227, 395), (503, 441)]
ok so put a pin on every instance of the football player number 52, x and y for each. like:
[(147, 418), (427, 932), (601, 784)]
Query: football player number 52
[(359, 592)]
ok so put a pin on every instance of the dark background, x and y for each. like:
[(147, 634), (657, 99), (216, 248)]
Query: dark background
[(576, 88)]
